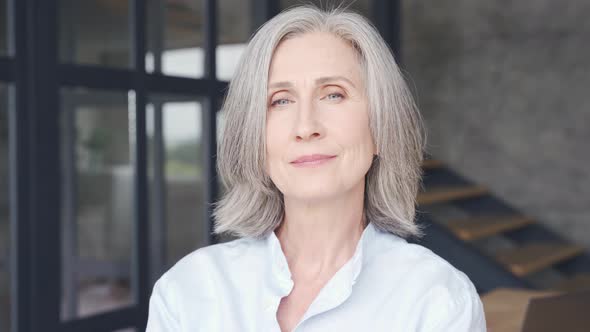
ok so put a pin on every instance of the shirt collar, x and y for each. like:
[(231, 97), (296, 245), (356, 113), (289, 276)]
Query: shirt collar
[(346, 276)]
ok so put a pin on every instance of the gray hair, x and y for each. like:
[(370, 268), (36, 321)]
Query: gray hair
[(252, 205)]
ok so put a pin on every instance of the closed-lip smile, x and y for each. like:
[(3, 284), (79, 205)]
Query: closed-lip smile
[(312, 160)]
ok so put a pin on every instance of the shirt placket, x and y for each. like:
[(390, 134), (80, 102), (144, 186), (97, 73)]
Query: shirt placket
[(333, 294)]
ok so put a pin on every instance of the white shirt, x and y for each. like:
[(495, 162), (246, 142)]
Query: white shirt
[(387, 285)]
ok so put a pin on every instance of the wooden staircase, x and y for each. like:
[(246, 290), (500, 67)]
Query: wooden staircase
[(532, 249)]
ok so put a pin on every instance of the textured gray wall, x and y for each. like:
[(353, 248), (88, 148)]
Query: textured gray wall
[(504, 87)]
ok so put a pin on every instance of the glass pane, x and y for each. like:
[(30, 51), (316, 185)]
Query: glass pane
[(174, 126), (3, 31), (175, 38), (360, 6), (235, 27), (4, 213), (97, 216), (95, 32)]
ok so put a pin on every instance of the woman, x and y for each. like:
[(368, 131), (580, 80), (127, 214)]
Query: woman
[(320, 153)]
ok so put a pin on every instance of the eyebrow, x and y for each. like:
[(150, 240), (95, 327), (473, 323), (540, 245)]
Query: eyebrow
[(318, 81)]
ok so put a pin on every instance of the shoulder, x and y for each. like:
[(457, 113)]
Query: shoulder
[(203, 263), (443, 295), (193, 283), (448, 299), (399, 256)]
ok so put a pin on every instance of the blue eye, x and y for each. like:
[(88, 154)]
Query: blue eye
[(279, 102), (339, 95)]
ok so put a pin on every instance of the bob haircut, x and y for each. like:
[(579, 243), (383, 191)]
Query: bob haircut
[(252, 205)]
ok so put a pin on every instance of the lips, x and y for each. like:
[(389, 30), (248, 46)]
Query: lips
[(312, 158)]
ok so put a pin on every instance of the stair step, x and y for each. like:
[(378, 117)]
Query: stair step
[(531, 258), (431, 163), (475, 228), (505, 308), (578, 282), (446, 194)]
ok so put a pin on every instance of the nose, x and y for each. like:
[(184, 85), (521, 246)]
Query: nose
[(307, 125)]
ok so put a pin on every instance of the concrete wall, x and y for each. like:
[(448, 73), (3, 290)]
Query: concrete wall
[(504, 87)]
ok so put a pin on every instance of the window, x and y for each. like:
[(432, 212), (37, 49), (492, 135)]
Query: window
[(97, 187), (175, 38), (176, 177), (117, 135), (235, 27), (95, 32)]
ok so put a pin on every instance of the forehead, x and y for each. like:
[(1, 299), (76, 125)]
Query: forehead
[(313, 55)]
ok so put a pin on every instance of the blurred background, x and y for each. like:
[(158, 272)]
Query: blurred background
[(109, 112)]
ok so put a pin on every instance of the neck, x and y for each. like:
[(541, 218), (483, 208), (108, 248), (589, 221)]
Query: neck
[(319, 237)]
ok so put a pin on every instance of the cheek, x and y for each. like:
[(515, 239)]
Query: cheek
[(355, 134), (275, 154), (273, 138), (275, 143)]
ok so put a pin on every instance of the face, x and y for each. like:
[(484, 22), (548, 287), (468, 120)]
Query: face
[(317, 111)]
